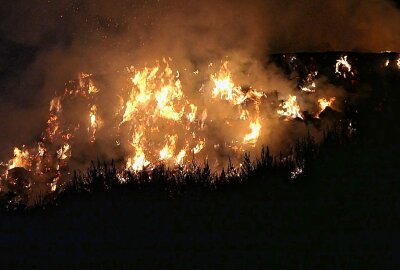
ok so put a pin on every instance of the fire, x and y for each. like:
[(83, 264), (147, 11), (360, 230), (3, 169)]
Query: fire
[(323, 103), (252, 137), (21, 159), (398, 62), (343, 67), (168, 150), (92, 88), (199, 146), (155, 118), (309, 84), (244, 114), (94, 122), (290, 108), (191, 116), (157, 101), (141, 93), (64, 152), (309, 88), (181, 155), (53, 186), (55, 104), (139, 160), (165, 101), (224, 86)]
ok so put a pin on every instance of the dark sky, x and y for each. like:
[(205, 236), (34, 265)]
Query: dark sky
[(45, 43)]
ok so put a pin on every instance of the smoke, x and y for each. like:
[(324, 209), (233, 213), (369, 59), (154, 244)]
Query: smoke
[(59, 39)]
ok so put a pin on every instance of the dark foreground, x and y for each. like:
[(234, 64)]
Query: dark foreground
[(344, 219), (344, 214)]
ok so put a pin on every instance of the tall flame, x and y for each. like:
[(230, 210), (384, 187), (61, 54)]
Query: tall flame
[(139, 161)]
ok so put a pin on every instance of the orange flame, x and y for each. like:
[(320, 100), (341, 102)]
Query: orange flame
[(323, 103), (251, 138), (21, 159), (290, 108)]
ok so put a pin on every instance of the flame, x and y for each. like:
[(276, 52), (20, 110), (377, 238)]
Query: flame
[(55, 104), (323, 103), (251, 138), (290, 108), (165, 101), (199, 146), (191, 116), (139, 160), (398, 62), (244, 114), (64, 152), (54, 182), (156, 120), (343, 66), (181, 155), (94, 122), (21, 159), (309, 83), (168, 150), (92, 89), (143, 82), (309, 88), (224, 86)]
